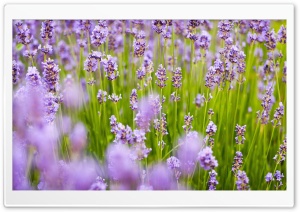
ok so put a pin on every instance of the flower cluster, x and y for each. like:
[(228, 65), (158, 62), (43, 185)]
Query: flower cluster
[(188, 119), (206, 159), (212, 180), (161, 75), (242, 181), (281, 153), (51, 75), (240, 134)]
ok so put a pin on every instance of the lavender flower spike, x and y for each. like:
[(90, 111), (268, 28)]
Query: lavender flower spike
[(212, 181), (161, 75), (242, 180), (206, 159), (51, 75), (110, 67), (101, 96)]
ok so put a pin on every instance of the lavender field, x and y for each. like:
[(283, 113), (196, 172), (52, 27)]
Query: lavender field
[(149, 105)]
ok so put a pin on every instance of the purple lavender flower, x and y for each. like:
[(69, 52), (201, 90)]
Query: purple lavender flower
[(50, 106), (237, 162), (15, 72), (240, 134), (212, 181), (210, 77), (211, 128), (133, 100), (115, 98), (123, 134), (281, 35), (141, 73), (233, 54), (175, 97), (279, 112), (269, 177), (267, 105), (177, 78), (199, 100), (173, 162), (99, 35), (241, 62), (148, 108), (278, 175), (47, 29), (270, 40), (160, 177), (121, 169), (203, 41), (33, 77), (139, 151), (161, 75), (161, 125), (242, 180), (101, 96), (139, 44), (188, 123), (139, 136), (90, 64), (193, 23), (51, 75), (281, 153), (110, 67), (23, 35), (78, 138), (188, 150), (100, 184), (47, 50), (284, 72), (224, 27), (31, 53), (113, 124), (157, 26), (206, 159)]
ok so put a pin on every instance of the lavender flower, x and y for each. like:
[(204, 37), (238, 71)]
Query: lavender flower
[(237, 162), (281, 153), (139, 44), (278, 175), (15, 72), (123, 134), (23, 35), (270, 40), (177, 78), (141, 73), (193, 23), (139, 151), (160, 177), (47, 29), (100, 184), (33, 77), (157, 26), (269, 177), (99, 35), (51, 75), (188, 123), (173, 162), (279, 112), (90, 64), (211, 128), (242, 180), (224, 29), (203, 41), (233, 54), (161, 75), (266, 104), (115, 98), (161, 125), (113, 124), (78, 137), (110, 67), (240, 134), (188, 150), (206, 159), (121, 168), (200, 100), (101, 96), (47, 49), (175, 97), (212, 181), (133, 100), (281, 35)]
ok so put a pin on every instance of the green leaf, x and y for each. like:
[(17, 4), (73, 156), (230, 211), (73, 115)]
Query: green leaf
[(19, 46)]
